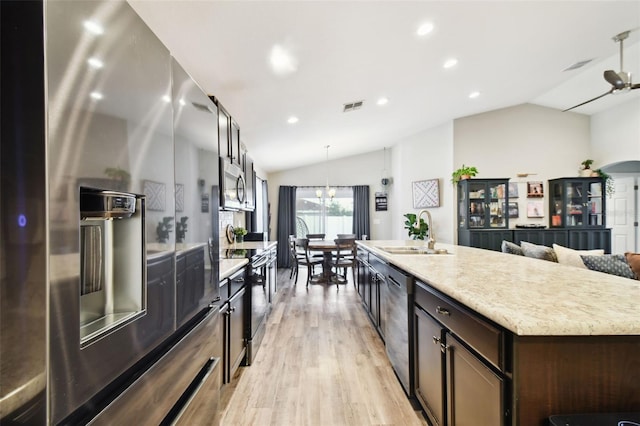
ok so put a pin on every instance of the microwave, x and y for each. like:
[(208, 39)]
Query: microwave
[(232, 185)]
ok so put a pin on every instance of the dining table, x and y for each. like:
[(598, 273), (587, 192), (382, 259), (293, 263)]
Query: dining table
[(327, 247)]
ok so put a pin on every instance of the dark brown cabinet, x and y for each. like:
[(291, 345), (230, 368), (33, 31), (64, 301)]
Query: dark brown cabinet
[(232, 310), (234, 348), (234, 141), (250, 183), (371, 282), (189, 284), (158, 322), (224, 132), (459, 369)]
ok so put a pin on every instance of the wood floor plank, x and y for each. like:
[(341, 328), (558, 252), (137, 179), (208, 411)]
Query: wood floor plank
[(321, 362)]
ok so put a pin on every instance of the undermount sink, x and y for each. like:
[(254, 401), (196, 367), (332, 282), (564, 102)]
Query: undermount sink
[(411, 250)]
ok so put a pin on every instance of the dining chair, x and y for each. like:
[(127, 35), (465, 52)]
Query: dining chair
[(346, 236), (345, 257), (293, 257), (316, 237), (305, 258)]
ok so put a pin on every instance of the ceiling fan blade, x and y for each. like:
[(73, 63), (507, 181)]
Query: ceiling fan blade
[(614, 79), (590, 100), (635, 86)]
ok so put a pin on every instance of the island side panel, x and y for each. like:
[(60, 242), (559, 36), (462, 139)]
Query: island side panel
[(574, 374)]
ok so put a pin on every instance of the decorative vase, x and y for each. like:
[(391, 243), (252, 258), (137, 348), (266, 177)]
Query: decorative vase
[(239, 238), (465, 177), (586, 172)]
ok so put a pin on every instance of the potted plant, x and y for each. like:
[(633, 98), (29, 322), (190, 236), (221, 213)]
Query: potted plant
[(464, 172), (609, 185), (164, 227), (417, 233), (585, 168), (181, 229), (239, 232)]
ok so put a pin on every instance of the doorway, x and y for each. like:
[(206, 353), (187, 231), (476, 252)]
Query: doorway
[(623, 207)]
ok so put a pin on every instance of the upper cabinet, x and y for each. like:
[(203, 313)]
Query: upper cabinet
[(250, 179), (224, 142), (234, 140), (577, 203)]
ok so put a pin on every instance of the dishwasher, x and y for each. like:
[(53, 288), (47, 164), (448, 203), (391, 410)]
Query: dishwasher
[(399, 325)]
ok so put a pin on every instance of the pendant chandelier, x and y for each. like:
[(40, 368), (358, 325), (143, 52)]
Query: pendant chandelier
[(328, 192)]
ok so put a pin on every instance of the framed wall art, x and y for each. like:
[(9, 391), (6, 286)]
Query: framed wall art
[(535, 189), (535, 209), (156, 195), (179, 197), (426, 193)]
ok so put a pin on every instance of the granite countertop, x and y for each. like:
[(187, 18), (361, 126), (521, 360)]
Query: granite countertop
[(529, 297), (229, 266)]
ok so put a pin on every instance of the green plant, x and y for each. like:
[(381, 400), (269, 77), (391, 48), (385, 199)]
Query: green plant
[(181, 229), (469, 171), (240, 231), (121, 176), (417, 233), (164, 227), (609, 185), (586, 164)]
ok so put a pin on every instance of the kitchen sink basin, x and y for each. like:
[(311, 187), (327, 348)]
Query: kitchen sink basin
[(411, 250)]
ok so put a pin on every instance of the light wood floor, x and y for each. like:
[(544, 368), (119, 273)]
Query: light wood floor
[(321, 363)]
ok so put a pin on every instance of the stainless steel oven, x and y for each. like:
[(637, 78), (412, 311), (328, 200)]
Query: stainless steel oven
[(232, 185)]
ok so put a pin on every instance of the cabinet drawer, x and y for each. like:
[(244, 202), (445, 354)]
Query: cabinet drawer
[(485, 338)]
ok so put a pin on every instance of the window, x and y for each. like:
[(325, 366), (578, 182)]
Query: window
[(324, 215)]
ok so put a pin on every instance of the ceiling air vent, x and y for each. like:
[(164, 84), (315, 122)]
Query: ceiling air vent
[(352, 106), (578, 65)]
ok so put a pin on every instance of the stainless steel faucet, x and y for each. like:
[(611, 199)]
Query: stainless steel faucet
[(431, 242)]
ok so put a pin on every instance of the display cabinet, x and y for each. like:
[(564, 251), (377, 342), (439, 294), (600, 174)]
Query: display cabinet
[(577, 203), (483, 204)]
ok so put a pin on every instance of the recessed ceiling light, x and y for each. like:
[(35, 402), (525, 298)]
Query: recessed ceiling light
[(93, 27), (382, 101), (95, 63), (424, 29), (450, 63), (96, 95), (292, 120), (474, 95), (166, 98), (182, 102), (282, 62)]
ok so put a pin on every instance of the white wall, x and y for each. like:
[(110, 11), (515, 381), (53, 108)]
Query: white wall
[(615, 134), (523, 139), (501, 143), (365, 169), (424, 156)]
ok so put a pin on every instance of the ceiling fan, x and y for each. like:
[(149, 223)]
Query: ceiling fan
[(620, 81)]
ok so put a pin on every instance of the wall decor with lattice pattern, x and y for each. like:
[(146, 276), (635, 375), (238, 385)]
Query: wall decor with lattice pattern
[(426, 193), (156, 195)]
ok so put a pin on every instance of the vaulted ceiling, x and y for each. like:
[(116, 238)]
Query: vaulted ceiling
[(267, 61)]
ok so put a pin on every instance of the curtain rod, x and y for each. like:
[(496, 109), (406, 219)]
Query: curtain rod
[(324, 186)]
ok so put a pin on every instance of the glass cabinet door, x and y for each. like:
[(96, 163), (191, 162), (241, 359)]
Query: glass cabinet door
[(477, 204), (555, 205), (595, 216), (497, 205), (575, 204)]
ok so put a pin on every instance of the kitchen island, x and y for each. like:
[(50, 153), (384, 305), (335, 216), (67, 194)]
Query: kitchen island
[(557, 339)]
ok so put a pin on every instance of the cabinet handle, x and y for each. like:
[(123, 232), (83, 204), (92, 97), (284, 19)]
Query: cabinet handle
[(442, 311), (436, 340)]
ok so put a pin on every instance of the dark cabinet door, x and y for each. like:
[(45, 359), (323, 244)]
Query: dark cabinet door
[(475, 394), (374, 308), (181, 280), (224, 144), (236, 155), (488, 239), (429, 366), (236, 331), (159, 320)]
